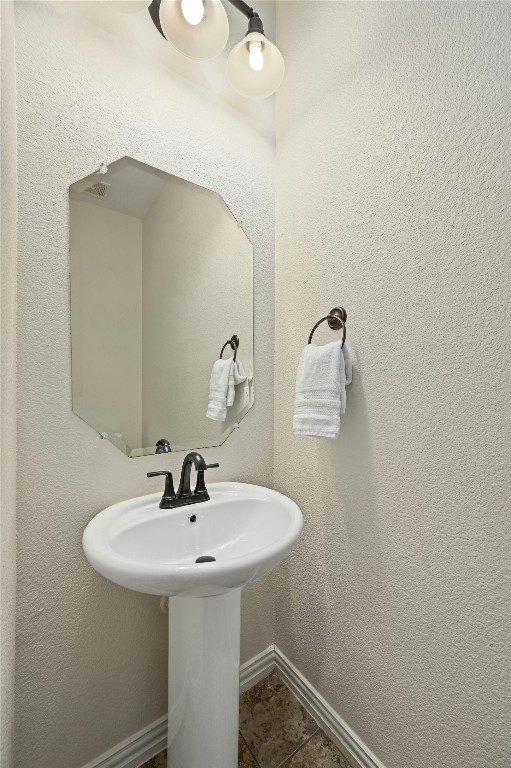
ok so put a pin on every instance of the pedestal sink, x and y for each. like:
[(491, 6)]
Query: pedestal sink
[(248, 530)]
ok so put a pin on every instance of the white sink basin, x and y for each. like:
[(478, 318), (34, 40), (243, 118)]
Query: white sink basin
[(246, 528)]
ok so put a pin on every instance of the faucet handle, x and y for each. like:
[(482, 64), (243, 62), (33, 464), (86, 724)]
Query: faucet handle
[(201, 485), (169, 492)]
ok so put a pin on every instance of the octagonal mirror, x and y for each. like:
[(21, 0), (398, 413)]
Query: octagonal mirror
[(161, 282)]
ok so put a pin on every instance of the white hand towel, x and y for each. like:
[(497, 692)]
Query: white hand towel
[(320, 390), (219, 389), (348, 365), (348, 375), (237, 376)]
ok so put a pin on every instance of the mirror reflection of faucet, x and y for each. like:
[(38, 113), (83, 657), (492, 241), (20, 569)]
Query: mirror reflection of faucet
[(184, 495), (163, 446)]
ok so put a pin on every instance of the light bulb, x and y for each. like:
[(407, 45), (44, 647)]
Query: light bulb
[(193, 11), (255, 55)]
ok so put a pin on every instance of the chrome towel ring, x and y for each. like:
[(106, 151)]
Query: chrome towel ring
[(336, 320), (233, 343)]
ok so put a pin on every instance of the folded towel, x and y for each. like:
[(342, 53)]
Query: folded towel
[(225, 375), (237, 376), (348, 375), (219, 389), (348, 365), (239, 372), (320, 389)]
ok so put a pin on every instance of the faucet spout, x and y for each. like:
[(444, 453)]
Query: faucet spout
[(200, 465)]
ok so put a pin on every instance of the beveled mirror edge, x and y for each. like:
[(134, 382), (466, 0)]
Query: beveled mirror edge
[(97, 174)]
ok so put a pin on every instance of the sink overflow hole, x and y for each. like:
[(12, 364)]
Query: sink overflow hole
[(192, 519), (206, 559)]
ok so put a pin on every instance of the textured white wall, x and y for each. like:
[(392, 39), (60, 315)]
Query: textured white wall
[(91, 656), (393, 199), (7, 383)]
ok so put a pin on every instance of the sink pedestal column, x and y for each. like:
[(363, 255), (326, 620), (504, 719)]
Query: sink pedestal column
[(204, 688)]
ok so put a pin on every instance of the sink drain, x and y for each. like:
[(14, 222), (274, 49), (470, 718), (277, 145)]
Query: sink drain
[(206, 559)]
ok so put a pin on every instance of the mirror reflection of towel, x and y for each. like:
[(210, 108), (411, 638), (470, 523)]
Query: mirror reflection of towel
[(237, 376), (218, 390), (225, 375)]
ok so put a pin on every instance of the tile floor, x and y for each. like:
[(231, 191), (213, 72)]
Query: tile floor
[(276, 732)]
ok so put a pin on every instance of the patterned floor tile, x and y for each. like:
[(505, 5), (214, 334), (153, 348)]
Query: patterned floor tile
[(160, 761), (273, 722), (245, 759), (318, 752)]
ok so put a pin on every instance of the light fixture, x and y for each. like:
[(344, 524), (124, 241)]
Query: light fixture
[(202, 40), (200, 30), (255, 66)]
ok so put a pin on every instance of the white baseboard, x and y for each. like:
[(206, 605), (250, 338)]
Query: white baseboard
[(337, 730), (258, 668), (134, 751)]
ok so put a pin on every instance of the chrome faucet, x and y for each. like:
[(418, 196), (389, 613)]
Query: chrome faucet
[(184, 495)]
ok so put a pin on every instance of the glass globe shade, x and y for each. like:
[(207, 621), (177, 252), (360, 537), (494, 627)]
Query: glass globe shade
[(202, 41), (251, 83)]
